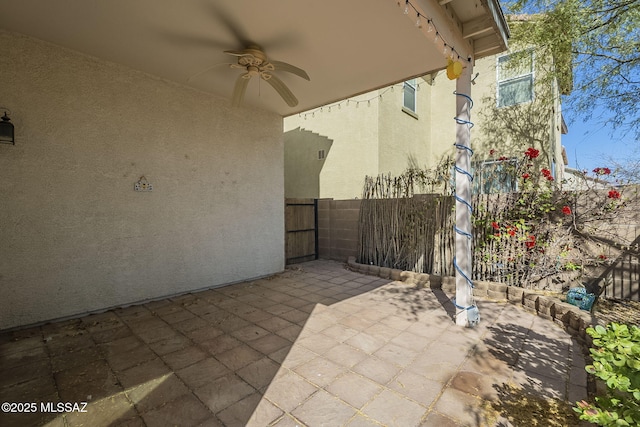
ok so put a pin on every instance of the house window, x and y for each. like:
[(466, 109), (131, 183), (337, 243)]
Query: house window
[(409, 95), (495, 176), (515, 78)]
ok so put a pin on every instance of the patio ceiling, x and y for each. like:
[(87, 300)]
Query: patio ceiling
[(346, 47)]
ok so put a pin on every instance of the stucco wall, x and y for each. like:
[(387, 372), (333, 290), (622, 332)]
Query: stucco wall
[(353, 152), (75, 235)]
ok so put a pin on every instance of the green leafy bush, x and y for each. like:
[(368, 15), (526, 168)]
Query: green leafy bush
[(616, 361)]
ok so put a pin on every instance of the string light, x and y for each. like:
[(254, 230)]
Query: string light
[(448, 51), (347, 102)]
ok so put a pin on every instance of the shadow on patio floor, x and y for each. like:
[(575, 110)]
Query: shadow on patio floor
[(315, 345)]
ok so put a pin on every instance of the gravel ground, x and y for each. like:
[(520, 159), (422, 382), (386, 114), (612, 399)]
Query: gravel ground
[(620, 311)]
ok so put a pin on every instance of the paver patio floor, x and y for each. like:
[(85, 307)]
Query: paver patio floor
[(317, 345)]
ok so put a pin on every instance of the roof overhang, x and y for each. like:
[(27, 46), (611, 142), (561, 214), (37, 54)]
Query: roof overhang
[(346, 47)]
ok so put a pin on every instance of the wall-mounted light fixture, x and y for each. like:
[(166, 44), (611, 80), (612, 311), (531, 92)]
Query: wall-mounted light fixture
[(6, 130)]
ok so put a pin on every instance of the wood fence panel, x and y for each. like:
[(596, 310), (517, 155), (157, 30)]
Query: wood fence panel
[(301, 230)]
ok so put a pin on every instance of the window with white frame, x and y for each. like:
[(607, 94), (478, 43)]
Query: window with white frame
[(515, 78), (409, 95)]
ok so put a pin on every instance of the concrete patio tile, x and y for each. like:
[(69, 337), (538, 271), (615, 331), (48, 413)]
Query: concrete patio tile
[(220, 344), (339, 332), (223, 392), (392, 409), (288, 390), (205, 333), (200, 373), (354, 389), (475, 384), (261, 353), (94, 379), (411, 341), (345, 355), (459, 406), (416, 387), (75, 358), (362, 421), (259, 373), (377, 370), (153, 334), (185, 410), (365, 342), (111, 334), (239, 413), (29, 391), (238, 357), (184, 357), (111, 410), (324, 409), (142, 373), (318, 343), (274, 323), (356, 322), (270, 343), (382, 331), (177, 316), (395, 354), (59, 345), (169, 345), (297, 356), (120, 361), (264, 414), (434, 419), (231, 323), (440, 371), (320, 371)]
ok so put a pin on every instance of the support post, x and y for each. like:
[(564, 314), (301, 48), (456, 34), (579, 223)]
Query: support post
[(463, 260)]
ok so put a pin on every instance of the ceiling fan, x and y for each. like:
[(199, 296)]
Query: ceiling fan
[(255, 62)]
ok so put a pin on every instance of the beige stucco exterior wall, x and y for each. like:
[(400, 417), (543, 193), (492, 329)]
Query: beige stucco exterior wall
[(369, 135), (75, 235)]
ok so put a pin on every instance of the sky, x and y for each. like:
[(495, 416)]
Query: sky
[(592, 144)]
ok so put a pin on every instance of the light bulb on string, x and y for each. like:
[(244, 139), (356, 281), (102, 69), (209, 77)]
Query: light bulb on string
[(406, 7), (418, 21), (429, 26)]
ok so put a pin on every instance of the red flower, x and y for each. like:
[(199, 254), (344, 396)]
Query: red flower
[(614, 194), (526, 176), (532, 153), (566, 210), (531, 242), (546, 173), (602, 257), (495, 225), (502, 158), (492, 152), (549, 178), (512, 232), (602, 171)]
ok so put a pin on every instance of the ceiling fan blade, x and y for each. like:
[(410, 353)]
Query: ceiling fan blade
[(238, 53), (199, 73), (239, 89), (283, 66), (283, 90)]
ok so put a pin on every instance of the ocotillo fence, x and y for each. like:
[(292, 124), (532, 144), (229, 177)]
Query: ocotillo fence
[(401, 230)]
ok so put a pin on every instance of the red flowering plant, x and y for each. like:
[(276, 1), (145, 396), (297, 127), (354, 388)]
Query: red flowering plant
[(537, 232)]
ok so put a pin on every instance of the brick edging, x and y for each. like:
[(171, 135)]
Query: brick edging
[(573, 320)]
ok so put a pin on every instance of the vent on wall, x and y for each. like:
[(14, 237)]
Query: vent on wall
[(321, 154)]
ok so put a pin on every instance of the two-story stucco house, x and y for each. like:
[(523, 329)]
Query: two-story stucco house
[(329, 150)]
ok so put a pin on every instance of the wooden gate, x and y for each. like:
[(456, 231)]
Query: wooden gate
[(301, 230)]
